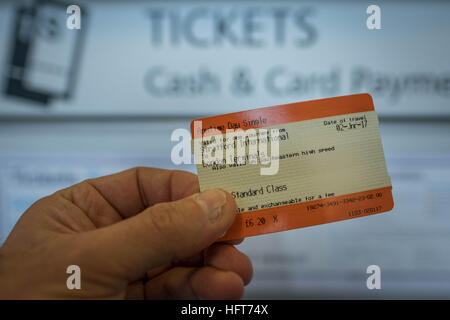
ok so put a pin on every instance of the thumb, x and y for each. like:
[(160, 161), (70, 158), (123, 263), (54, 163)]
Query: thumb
[(163, 233)]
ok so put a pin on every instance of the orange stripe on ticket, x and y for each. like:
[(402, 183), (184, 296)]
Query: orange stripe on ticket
[(299, 111), (310, 213)]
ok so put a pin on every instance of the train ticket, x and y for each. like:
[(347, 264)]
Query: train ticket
[(295, 165)]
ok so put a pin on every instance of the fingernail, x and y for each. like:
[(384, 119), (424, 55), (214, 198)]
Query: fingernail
[(212, 202)]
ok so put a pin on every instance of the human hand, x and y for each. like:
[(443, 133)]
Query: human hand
[(142, 233)]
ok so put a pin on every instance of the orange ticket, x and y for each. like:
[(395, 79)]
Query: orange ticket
[(295, 165)]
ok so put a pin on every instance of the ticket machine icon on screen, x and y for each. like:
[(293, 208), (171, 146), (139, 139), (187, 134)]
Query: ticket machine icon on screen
[(45, 54)]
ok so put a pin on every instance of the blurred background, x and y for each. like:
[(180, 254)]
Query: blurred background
[(87, 102)]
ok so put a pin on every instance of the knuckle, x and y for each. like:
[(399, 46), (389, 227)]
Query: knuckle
[(42, 202), (82, 190)]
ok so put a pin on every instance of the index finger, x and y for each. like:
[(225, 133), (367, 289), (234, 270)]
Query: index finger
[(133, 190)]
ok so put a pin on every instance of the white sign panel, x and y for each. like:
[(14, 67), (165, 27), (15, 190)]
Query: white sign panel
[(194, 58)]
